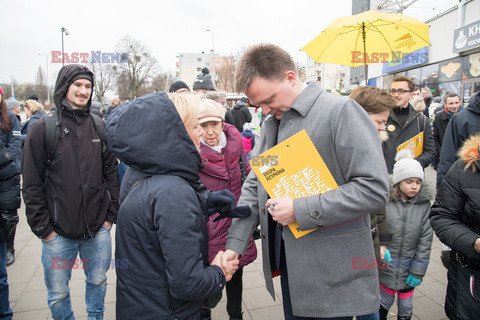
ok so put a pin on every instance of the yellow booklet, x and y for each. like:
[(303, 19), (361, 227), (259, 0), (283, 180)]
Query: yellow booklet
[(293, 169), (415, 145)]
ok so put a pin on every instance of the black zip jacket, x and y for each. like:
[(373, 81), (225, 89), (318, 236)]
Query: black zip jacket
[(415, 123), (82, 191)]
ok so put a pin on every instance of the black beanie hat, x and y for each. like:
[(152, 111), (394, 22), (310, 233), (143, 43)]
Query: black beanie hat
[(204, 81), (178, 85), (33, 97)]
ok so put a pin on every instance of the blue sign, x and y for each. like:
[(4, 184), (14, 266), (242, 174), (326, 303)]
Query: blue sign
[(415, 58)]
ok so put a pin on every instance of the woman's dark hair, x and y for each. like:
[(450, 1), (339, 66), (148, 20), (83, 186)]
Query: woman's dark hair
[(5, 121)]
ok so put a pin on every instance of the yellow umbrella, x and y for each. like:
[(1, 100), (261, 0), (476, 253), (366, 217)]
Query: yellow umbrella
[(368, 37)]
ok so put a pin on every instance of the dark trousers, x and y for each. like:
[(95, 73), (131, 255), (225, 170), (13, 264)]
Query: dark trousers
[(5, 311), (287, 303), (11, 239)]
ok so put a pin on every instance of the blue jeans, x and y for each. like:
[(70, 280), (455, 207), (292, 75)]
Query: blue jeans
[(371, 316), (5, 311), (59, 257)]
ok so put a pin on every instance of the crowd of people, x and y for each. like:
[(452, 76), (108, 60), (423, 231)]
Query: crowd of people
[(172, 171)]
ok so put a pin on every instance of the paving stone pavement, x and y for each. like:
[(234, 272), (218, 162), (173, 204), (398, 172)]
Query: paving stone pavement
[(28, 295)]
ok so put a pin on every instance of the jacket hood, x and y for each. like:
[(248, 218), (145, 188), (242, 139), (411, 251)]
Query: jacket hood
[(474, 103), (148, 135), (64, 80), (470, 152), (426, 193)]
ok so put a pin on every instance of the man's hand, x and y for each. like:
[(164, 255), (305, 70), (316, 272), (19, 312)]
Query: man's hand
[(107, 224), (220, 201), (476, 246), (282, 210), (227, 263), (50, 236)]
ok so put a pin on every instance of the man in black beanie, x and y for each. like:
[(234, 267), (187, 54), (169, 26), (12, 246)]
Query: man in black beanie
[(33, 97), (203, 82), (179, 87)]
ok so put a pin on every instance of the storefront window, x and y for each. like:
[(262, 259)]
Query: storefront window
[(450, 87), (451, 70), (414, 74), (430, 78)]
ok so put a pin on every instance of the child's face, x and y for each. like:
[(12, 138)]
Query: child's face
[(410, 187)]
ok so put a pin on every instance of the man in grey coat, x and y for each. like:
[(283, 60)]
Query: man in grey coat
[(328, 273)]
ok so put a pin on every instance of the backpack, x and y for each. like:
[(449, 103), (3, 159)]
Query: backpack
[(53, 133)]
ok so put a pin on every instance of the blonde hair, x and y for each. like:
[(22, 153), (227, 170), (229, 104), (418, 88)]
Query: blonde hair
[(187, 107), (33, 105)]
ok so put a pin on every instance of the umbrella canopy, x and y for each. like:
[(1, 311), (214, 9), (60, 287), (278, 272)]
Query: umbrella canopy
[(368, 37)]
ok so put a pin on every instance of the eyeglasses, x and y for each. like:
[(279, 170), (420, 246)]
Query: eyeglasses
[(400, 91)]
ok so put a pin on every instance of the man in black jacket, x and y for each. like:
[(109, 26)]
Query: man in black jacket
[(73, 207), (462, 125), (452, 105), (404, 123), (241, 114)]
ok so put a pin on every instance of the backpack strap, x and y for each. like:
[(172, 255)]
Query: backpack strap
[(100, 128), (52, 134)]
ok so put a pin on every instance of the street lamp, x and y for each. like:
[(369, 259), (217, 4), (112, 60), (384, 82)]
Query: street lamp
[(213, 56), (46, 63), (66, 33)]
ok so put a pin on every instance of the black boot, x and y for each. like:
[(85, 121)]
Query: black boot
[(10, 258), (404, 318), (383, 313)]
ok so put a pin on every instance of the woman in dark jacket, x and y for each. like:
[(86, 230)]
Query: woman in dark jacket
[(162, 237), (12, 143), (455, 218), (221, 150), (34, 111)]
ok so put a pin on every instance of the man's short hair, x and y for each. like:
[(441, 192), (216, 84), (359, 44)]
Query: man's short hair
[(451, 95), (411, 85), (267, 61), (373, 99)]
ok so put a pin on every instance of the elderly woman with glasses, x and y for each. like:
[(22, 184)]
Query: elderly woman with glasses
[(221, 150)]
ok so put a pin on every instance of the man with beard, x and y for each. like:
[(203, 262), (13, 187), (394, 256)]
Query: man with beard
[(71, 194)]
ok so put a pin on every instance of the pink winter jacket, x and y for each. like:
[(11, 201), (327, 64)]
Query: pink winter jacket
[(222, 171)]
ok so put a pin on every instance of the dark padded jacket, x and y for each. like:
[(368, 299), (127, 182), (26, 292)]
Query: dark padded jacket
[(241, 115), (82, 191), (415, 123), (463, 124), (455, 215), (161, 235), (440, 124)]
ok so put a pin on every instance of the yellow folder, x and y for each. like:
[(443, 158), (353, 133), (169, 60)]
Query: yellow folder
[(415, 145), (293, 169)]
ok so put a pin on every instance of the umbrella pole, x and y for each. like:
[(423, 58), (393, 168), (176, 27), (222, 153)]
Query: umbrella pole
[(364, 36)]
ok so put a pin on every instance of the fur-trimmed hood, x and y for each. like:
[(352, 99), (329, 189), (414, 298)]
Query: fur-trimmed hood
[(426, 193), (470, 152)]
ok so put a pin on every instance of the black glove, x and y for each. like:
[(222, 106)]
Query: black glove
[(221, 201), (237, 212)]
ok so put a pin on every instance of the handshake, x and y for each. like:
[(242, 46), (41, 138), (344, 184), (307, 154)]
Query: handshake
[(227, 261)]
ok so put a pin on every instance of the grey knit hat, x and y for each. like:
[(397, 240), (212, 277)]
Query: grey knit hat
[(204, 81), (406, 167), (12, 103)]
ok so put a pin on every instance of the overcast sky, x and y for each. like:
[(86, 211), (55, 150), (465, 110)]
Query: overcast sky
[(167, 28)]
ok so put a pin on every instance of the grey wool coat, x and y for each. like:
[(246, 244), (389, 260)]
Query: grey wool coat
[(323, 279), (412, 237)]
